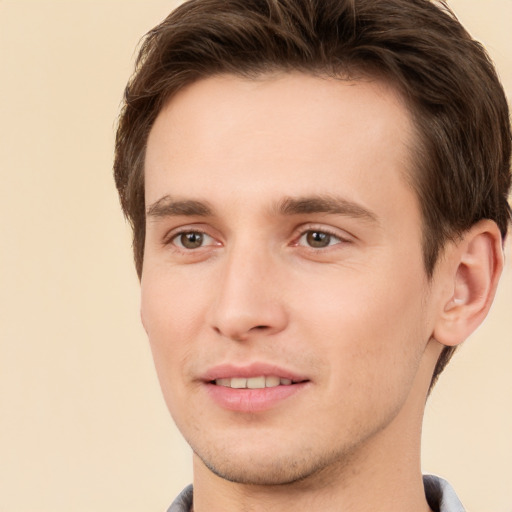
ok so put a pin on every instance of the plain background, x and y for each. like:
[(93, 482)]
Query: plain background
[(82, 424)]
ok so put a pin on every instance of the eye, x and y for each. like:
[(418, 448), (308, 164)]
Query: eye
[(318, 239), (192, 240)]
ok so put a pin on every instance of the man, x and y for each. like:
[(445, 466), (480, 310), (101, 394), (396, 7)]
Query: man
[(318, 193)]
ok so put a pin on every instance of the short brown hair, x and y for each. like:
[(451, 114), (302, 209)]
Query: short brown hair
[(459, 107)]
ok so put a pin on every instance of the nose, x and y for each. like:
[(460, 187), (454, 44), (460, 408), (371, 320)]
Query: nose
[(249, 299)]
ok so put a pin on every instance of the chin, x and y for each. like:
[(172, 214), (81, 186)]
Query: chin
[(267, 470), (276, 473)]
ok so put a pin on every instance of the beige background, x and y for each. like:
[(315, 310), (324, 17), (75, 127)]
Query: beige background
[(82, 423)]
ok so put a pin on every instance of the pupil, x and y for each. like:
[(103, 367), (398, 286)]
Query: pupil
[(318, 239), (191, 240)]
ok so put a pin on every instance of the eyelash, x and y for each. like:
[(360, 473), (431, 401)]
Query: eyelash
[(320, 230), (173, 238)]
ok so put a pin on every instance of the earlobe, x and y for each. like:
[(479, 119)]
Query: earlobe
[(476, 266)]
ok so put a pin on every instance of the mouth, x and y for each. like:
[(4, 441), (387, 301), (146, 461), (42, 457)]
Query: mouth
[(253, 388)]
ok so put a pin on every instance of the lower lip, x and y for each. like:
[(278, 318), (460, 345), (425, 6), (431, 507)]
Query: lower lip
[(252, 400)]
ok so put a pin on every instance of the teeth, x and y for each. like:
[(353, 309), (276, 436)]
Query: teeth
[(256, 382), (272, 382), (238, 383), (253, 382)]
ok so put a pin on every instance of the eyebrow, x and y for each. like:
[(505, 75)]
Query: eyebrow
[(166, 206), (328, 204)]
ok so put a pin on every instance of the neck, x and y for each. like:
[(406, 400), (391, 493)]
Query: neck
[(393, 490), (384, 476)]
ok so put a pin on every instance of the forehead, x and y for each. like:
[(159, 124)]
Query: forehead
[(289, 133)]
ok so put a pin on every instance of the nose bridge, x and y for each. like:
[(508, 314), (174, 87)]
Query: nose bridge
[(248, 299)]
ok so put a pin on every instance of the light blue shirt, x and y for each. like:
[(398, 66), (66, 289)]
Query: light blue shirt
[(440, 496)]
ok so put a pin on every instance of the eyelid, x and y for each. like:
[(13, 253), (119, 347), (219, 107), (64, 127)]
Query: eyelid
[(176, 240), (170, 237), (341, 235)]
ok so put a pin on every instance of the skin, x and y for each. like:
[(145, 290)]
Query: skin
[(356, 318)]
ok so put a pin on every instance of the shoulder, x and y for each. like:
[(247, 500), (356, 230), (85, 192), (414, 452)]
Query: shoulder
[(183, 502), (440, 495)]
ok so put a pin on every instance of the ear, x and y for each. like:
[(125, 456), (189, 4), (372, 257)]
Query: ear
[(472, 268)]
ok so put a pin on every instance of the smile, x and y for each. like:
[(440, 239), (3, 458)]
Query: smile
[(261, 382)]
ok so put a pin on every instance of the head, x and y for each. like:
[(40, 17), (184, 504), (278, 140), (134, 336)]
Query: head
[(442, 125), (455, 177)]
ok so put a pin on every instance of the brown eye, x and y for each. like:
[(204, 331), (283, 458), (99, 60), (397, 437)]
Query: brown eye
[(317, 239), (190, 240)]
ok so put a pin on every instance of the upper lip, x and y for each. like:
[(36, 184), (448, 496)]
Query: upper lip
[(256, 369)]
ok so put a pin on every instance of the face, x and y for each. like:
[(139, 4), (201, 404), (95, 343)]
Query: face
[(283, 289)]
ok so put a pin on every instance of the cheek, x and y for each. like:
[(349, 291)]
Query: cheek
[(370, 328), (170, 304), (170, 318)]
